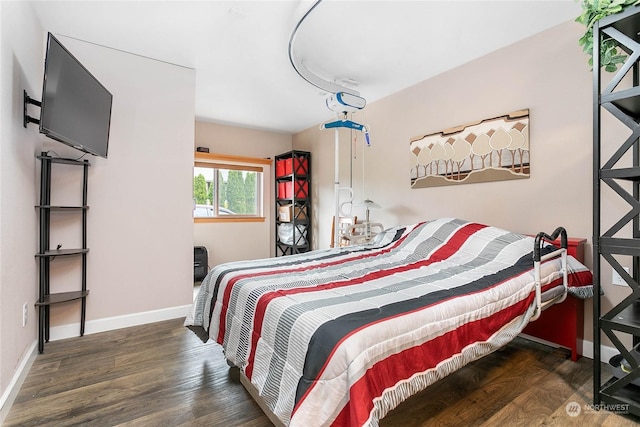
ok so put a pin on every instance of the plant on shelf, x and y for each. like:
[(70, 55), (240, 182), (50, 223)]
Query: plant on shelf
[(593, 10)]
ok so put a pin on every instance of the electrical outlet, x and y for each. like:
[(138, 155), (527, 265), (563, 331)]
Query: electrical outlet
[(25, 314), (616, 279)]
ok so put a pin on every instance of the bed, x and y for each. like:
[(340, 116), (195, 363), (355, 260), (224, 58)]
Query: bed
[(342, 336)]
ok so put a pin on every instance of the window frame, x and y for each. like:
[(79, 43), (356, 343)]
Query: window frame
[(226, 161)]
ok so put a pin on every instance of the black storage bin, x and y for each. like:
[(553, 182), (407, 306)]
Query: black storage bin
[(200, 263)]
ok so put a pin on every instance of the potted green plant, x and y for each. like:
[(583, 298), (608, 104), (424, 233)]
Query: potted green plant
[(593, 10)]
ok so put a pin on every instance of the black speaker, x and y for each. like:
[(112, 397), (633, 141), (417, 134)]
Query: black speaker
[(200, 263)]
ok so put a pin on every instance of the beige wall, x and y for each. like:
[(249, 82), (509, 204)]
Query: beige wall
[(240, 240), (547, 74), (139, 220), (20, 69)]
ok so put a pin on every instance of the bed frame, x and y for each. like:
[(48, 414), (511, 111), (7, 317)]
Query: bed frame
[(256, 396)]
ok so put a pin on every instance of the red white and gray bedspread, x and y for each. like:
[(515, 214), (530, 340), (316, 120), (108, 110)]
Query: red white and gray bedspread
[(342, 336)]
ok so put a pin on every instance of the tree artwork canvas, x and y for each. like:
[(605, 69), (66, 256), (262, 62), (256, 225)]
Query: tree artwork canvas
[(489, 150)]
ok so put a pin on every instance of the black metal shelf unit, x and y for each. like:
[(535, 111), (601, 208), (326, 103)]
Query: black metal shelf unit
[(616, 242), (293, 202), (45, 255)]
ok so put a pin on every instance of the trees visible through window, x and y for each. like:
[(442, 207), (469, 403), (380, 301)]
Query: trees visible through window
[(226, 190)]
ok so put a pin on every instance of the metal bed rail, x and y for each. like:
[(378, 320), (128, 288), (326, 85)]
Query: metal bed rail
[(538, 259)]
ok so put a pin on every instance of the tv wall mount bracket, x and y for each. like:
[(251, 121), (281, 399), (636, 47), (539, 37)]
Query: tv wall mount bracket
[(26, 118)]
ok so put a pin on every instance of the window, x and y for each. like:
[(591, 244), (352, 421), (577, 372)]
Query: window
[(227, 188)]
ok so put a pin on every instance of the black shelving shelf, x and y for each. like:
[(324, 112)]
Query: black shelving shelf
[(619, 246), (293, 191), (629, 174), (622, 238), (61, 297), (293, 249), (625, 397), (628, 320), (63, 252), (63, 208), (45, 255), (627, 100), (62, 160), (302, 172)]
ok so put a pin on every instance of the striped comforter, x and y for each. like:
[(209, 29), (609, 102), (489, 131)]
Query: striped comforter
[(342, 336)]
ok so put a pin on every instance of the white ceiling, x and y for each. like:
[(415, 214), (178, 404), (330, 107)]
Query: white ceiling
[(239, 49)]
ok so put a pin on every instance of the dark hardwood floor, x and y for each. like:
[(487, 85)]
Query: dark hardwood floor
[(162, 375)]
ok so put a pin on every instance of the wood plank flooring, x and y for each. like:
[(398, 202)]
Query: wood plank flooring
[(162, 375)]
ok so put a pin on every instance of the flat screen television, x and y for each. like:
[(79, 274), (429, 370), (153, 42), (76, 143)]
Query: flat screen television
[(76, 107)]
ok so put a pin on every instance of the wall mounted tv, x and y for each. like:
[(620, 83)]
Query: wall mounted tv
[(76, 107)]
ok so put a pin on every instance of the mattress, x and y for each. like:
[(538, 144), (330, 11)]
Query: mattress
[(342, 336)]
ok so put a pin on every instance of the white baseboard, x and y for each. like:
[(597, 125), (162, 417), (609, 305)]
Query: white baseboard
[(606, 352), (117, 322), (10, 394), (585, 348)]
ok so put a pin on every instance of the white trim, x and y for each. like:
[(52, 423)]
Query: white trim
[(606, 352), (118, 322), (585, 348), (10, 394)]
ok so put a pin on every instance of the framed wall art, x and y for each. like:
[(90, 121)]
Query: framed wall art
[(493, 149)]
